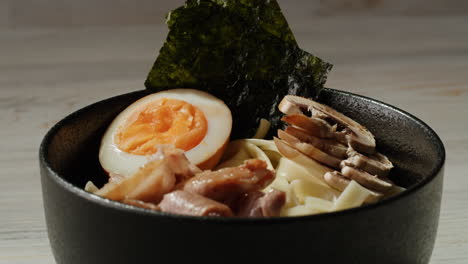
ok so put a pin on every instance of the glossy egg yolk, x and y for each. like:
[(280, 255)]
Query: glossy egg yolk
[(164, 121)]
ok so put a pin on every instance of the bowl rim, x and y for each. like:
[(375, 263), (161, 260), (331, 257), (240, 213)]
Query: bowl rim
[(114, 205)]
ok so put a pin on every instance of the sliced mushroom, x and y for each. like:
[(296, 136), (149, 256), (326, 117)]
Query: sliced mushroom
[(375, 164), (309, 150), (336, 180), (365, 179), (294, 155), (356, 135), (314, 126), (318, 114), (291, 106), (340, 182), (327, 145)]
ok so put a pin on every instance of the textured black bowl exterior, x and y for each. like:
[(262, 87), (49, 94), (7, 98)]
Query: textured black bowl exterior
[(86, 229)]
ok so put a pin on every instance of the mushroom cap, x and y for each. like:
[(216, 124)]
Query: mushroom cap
[(356, 135)]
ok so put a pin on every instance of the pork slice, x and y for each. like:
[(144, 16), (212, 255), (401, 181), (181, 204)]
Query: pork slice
[(141, 204), (226, 185), (148, 184), (259, 204), (180, 165), (248, 204), (272, 203), (156, 178), (345, 129), (187, 203)]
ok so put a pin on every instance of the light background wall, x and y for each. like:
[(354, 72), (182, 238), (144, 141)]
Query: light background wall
[(63, 13)]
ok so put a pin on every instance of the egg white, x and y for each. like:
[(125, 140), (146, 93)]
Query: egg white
[(217, 114)]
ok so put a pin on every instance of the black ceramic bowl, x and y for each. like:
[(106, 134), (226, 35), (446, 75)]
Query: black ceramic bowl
[(87, 229)]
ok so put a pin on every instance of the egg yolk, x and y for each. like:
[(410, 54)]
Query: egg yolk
[(164, 121)]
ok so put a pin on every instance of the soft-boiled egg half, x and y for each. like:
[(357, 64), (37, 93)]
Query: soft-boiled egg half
[(191, 120)]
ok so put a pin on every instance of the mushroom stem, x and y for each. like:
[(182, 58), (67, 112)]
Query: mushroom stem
[(327, 145), (314, 126), (376, 164), (365, 179), (336, 180), (309, 150)]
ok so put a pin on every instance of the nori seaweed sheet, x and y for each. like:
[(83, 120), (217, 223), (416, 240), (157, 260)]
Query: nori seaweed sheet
[(241, 51)]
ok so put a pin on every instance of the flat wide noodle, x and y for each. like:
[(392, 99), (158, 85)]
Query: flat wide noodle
[(318, 204), (300, 210), (262, 128), (291, 171), (303, 189), (263, 144), (240, 150), (90, 187), (353, 196)]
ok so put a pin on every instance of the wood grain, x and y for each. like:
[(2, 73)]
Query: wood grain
[(419, 64), (71, 13)]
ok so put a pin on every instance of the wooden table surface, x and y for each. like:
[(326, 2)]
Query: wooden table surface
[(419, 64)]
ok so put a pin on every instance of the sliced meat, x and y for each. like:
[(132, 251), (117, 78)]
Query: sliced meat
[(187, 203), (375, 164), (141, 204), (309, 150), (356, 135), (329, 146), (226, 185), (153, 180), (272, 203), (148, 184), (367, 180), (336, 180), (248, 204), (259, 204), (181, 166), (314, 126)]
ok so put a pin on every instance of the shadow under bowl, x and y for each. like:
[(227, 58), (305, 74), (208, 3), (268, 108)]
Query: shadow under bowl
[(85, 228)]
